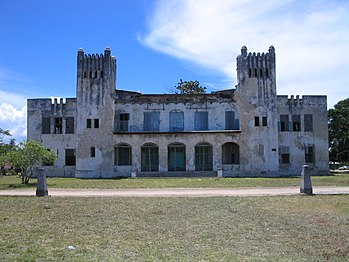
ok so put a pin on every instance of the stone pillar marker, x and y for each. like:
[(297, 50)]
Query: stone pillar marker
[(306, 186), (41, 187)]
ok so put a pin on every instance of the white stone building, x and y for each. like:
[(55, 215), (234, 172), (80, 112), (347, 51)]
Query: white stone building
[(245, 131)]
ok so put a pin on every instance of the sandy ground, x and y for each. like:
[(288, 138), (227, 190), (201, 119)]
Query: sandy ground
[(176, 192)]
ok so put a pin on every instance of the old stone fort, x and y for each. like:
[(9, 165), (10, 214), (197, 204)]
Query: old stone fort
[(244, 131)]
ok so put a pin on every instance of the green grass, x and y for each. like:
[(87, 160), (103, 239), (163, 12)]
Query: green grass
[(288, 228), (10, 182)]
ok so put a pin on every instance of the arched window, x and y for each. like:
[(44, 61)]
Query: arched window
[(230, 153), (149, 158), (96, 74), (203, 157), (85, 74), (90, 74), (102, 74), (255, 72), (122, 155), (176, 120), (176, 157)]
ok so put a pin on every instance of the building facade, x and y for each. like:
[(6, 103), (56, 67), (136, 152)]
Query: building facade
[(246, 131)]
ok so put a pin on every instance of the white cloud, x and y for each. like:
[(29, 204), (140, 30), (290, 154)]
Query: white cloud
[(14, 119), (310, 38)]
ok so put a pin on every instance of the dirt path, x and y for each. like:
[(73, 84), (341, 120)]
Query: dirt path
[(175, 192)]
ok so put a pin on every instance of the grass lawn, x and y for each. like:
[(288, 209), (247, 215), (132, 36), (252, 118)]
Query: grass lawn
[(288, 228), (8, 182)]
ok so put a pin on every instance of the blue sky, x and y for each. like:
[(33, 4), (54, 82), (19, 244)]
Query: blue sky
[(158, 42)]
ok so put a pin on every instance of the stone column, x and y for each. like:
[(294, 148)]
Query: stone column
[(41, 187), (306, 186)]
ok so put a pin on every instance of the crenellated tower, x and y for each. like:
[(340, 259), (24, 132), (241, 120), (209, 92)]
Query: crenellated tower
[(96, 78)]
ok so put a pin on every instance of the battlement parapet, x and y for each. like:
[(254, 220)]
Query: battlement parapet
[(51, 104), (301, 101)]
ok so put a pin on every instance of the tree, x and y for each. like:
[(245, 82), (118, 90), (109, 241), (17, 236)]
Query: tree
[(5, 147), (189, 87), (338, 130), (28, 156)]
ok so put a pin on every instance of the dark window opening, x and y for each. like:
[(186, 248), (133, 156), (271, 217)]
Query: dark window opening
[(123, 155), (96, 74), (267, 72), (285, 158), (58, 125), (308, 123), (309, 154), (176, 157), (256, 121), (69, 125), (88, 123), (261, 72), (230, 154), (46, 125), (85, 74), (149, 158), (296, 123), (96, 123), (70, 157), (264, 121), (102, 74), (284, 123), (203, 157), (90, 74), (255, 72), (92, 151), (284, 152), (250, 73)]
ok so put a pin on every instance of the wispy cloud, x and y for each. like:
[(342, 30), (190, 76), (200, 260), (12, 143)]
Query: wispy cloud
[(14, 119), (310, 37)]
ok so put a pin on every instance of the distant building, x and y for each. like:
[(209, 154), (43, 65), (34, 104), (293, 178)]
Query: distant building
[(246, 131)]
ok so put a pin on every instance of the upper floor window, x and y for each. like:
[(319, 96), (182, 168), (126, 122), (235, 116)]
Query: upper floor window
[(58, 125), (88, 123), (96, 122), (92, 151), (201, 120), (46, 125), (264, 121), (121, 121), (231, 123), (296, 123), (308, 123), (256, 121), (284, 123), (69, 125), (176, 120), (151, 121)]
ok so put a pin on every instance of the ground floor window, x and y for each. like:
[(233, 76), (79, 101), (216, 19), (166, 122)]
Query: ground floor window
[(176, 157), (123, 155), (149, 158), (284, 153), (309, 154), (70, 157), (203, 157), (230, 154)]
